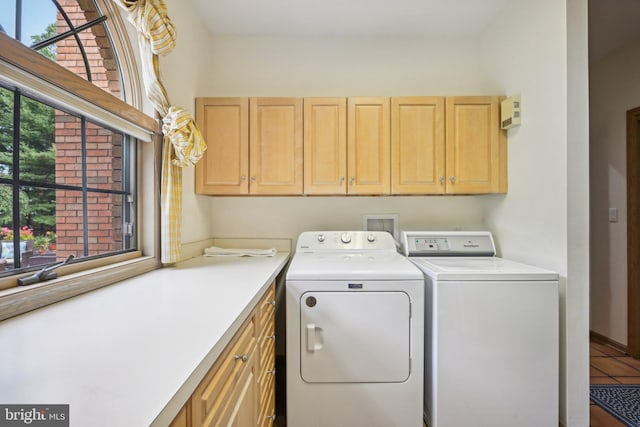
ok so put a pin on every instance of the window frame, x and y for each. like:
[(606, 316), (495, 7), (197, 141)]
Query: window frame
[(21, 66)]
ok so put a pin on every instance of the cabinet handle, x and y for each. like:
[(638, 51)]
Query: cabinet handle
[(452, 179), (341, 180), (271, 303), (353, 180), (270, 337), (242, 177), (244, 357), (272, 372), (271, 417), (253, 179), (441, 179)]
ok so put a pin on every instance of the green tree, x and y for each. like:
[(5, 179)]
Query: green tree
[(48, 51)]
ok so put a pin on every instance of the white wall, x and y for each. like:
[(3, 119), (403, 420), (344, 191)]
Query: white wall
[(530, 219), (287, 217), (181, 72), (344, 66), (543, 220), (615, 88)]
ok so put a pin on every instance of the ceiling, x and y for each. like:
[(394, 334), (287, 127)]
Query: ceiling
[(348, 17), (612, 23)]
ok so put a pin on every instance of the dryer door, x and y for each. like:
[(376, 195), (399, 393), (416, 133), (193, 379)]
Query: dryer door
[(355, 337)]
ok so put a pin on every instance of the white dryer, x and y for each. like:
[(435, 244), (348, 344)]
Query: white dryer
[(355, 333), (492, 334)]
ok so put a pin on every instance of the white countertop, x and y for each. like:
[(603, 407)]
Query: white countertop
[(131, 354)]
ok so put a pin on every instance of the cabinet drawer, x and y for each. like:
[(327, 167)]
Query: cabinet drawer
[(215, 391), (267, 406), (267, 348), (267, 306), (266, 373)]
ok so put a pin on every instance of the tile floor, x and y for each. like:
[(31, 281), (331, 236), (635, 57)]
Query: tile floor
[(610, 366)]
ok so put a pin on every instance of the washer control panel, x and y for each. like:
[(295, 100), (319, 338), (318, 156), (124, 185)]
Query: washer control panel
[(448, 243), (427, 244)]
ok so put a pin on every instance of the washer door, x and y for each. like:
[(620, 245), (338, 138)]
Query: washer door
[(355, 337)]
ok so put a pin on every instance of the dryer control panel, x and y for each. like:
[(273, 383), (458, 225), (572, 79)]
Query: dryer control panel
[(448, 243), (335, 241)]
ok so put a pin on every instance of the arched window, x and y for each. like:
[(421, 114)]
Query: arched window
[(67, 153)]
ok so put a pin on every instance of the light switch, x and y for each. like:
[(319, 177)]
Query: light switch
[(613, 214)]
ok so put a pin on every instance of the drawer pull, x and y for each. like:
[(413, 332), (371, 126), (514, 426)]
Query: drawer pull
[(271, 417), (271, 303), (244, 357), (270, 337)]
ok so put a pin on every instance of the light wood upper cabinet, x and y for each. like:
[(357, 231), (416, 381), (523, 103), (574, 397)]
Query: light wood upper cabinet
[(368, 145), (351, 146), (224, 123), (325, 145), (417, 145), (475, 146), (275, 141)]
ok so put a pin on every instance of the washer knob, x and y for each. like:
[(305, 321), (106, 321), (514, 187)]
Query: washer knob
[(346, 238), (371, 238), (320, 238)]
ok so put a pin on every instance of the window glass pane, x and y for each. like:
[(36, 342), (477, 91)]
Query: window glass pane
[(102, 64), (8, 17), (37, 149), (69, 55), (38, 21), (38, 225), (38, 209), (104, 158), (105, 223), (69, 224), (6, 221), (68, 136), (6, 133), (9, 255)]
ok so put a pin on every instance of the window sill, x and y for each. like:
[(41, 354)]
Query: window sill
[(18, 300)]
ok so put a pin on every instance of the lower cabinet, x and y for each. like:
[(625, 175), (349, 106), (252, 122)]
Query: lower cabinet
[(239, 389)]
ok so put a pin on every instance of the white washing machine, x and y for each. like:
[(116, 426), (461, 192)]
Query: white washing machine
[(491, 334), (355, 333)]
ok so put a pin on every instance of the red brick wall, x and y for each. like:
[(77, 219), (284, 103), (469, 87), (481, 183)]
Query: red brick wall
[(103, 147)]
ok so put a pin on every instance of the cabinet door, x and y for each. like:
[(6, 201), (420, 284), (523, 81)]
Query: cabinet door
[(183, 418), (368, 145), (224, 123), (275, 141), (325, 145), (417, 145), (475, 145), (245, 409)]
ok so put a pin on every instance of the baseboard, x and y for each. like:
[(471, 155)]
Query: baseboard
[(599, 338)]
